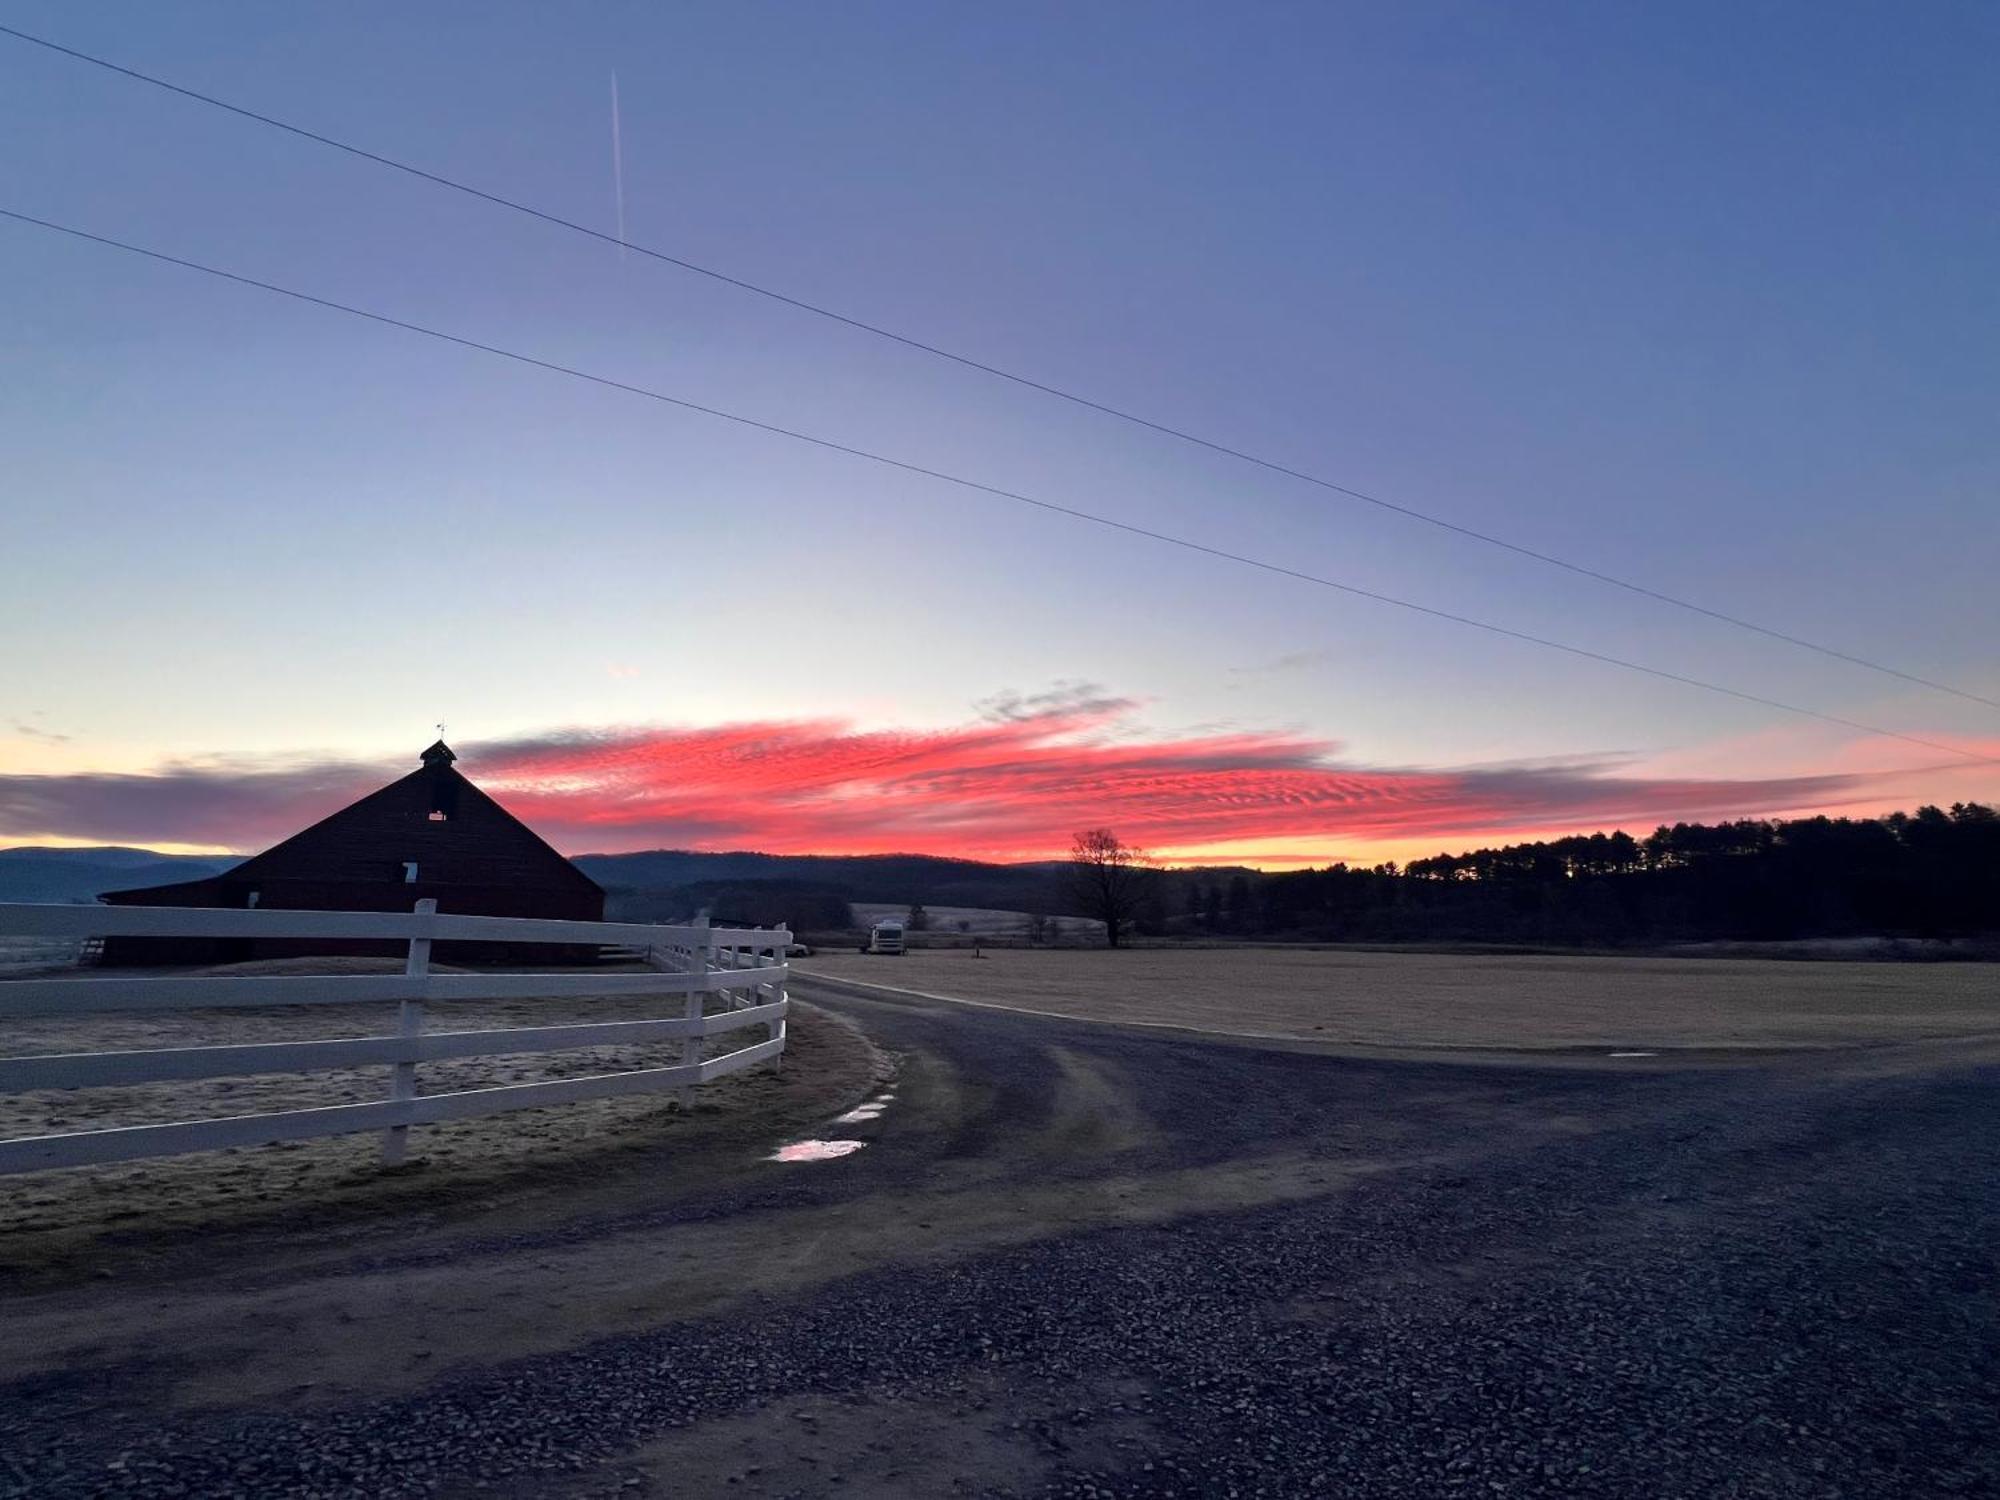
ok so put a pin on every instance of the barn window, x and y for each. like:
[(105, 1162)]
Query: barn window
[(409, 872), (437, 815)]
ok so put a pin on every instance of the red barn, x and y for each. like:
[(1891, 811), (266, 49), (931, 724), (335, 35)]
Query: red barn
[(431, 834)]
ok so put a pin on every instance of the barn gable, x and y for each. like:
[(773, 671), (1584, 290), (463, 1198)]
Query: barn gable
[(430, 835), (435, 819)]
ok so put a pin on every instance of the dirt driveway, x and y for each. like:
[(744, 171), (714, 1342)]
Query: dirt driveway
[(1071, 1259)]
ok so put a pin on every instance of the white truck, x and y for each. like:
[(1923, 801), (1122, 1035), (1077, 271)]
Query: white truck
[(886, 937)]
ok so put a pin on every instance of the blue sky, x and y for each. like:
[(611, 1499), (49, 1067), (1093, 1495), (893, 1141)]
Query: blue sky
[(1698, 295)]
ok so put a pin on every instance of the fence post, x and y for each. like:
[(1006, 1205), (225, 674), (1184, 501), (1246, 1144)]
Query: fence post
[(409, 1023), (691, 1044), (776, 992)]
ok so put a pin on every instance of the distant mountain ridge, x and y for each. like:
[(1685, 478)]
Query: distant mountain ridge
[(28, 873), (113, 856), (859, 877)]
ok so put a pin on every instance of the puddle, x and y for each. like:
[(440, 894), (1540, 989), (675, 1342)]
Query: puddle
[(862, 1113), (815, 1150), (1635, 1054)]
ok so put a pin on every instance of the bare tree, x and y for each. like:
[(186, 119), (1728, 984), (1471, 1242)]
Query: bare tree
[(1107, 878)]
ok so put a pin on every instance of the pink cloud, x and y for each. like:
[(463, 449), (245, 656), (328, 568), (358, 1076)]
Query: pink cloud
[(1012, 784)]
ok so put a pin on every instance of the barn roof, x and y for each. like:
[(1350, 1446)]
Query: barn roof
[(434, 818)]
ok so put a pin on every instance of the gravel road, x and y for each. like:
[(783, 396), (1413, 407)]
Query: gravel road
[(1074, 1260)]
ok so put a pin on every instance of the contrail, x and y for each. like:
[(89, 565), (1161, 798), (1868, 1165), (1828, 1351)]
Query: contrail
[(617, 166)]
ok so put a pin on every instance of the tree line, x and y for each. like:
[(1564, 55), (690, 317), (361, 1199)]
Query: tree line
[(1934, 873)]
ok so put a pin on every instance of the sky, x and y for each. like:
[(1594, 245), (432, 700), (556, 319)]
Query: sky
[(1698, 296)]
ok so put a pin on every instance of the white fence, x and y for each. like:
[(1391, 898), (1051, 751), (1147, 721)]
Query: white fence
[(743, 970)]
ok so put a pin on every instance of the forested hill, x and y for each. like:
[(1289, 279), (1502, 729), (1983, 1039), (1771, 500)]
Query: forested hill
[(73, 875), (1932, 873), (858, 877)]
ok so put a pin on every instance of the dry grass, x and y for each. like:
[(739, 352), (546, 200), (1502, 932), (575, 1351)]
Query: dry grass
[(1452, 1000), (827, 1065)]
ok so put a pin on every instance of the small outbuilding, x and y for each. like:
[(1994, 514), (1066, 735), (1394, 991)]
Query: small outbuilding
[(432, 834)]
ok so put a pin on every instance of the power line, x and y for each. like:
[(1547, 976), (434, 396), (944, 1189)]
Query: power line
[(1165, 429), (829, 444)]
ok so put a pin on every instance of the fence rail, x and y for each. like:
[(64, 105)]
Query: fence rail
[(743, 971), (29, 919)]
